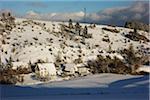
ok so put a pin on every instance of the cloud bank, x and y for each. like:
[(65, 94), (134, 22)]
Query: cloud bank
[(117, 16), (76, 16)]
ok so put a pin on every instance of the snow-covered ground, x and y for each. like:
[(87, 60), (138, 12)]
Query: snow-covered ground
[(93, 87), (31, 41)]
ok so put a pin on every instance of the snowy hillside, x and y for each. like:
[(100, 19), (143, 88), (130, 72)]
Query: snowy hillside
[(34, 40), (75, 49), (66, 60)]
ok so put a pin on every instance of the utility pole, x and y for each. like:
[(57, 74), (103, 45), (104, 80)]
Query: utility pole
[(84, 15)]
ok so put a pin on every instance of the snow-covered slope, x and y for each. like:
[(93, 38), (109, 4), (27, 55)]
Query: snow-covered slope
[(34, 40), (31, 41)]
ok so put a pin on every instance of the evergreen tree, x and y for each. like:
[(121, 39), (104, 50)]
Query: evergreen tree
[(85, 31), (78, 28), (9, 14), (131, 55), (3, 17), (70, 24)]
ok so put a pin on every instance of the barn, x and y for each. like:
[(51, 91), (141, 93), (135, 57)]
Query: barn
[(69, 68), (45, 70), (82, 70)]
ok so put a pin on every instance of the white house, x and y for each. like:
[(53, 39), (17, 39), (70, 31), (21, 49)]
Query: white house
[(45, 70)]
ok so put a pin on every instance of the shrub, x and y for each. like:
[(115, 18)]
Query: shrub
[(8, 76), (108, 65), (106, 40), (78, 61), (135, 36), (3, 42), (111, 30), (133, 60), (35, 38), (13, 50), (8, 79), (88, 36), (12, 76)]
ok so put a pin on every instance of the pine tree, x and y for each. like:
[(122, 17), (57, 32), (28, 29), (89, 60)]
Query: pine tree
[(9, 14), (109, 49), (78, 28), (9, 62), (85, 31), (131, 55), (3, 17), (70, 24), (131, 58)]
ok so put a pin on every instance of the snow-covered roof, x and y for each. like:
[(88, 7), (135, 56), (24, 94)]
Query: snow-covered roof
[(144, 69), (16, 65), (70, 67), (50, 67)]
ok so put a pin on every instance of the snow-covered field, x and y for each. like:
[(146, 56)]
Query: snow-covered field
[(93, 87), (31, 41)]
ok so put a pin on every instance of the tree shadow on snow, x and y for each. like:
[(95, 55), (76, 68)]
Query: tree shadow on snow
[(139, 86)]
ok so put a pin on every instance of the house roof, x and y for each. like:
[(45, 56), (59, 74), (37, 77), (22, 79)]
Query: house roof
[(70, 67), (19, 64), (50, 67)]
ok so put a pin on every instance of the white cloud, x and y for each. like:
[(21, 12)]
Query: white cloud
[(118, 15), (110, 11), (77, 16)]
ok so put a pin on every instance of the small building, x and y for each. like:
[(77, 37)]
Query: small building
[(45, 70), (143, 69), (69, 69), (82, 69), (16, 65)]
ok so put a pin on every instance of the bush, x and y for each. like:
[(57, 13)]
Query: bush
[(8, 76), (133, 60), (9, 79), (35, 38), (108, 65), (88, 36), (111, 30), (137, 25), (11, 76), (117, 66), (106, 40), (136, 36), (78, 61)]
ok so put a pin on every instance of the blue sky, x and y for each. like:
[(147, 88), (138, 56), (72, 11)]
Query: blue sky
[(98, 11), (21, 7)]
